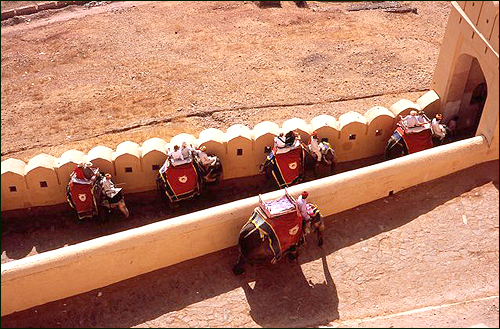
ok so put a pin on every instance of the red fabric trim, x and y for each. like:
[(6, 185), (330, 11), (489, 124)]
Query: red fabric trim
[(182, 179), (284, 160), (400, 130), (77, 190), (284, 225), (416, 142), (79, 173)]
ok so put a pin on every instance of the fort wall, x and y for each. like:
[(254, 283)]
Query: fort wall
[(42, 181), (471, 34), (71, 270), (468, 58)]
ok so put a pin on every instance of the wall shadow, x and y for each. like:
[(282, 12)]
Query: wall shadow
[(149, 296), (39, 229), (53, 227)]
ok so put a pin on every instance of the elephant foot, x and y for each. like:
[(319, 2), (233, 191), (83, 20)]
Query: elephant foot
[(293, 256), (238, 270), (209, 179), (239, 267)]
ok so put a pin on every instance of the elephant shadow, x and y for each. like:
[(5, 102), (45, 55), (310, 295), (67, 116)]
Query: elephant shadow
[(281, 296)]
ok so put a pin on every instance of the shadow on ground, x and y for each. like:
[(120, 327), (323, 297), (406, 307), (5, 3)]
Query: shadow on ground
[(281, 295)]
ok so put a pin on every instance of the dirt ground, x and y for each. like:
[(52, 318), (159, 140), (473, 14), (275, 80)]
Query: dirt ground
[(82, 76), (424, 257)]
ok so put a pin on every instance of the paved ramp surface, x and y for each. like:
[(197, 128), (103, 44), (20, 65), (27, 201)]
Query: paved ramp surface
[(424, 257)]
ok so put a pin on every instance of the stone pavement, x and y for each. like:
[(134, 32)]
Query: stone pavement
[(456, 315), (424, 257)]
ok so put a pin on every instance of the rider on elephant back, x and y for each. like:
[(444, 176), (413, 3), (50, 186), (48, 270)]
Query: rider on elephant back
[(279, 142), (110, 190), (314, 145), (187, 151), (283, 144), (83, 171), (206, 161), (291, 137)]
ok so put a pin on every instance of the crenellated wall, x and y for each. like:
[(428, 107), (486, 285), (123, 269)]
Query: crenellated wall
[(79, 268), (42, 181)]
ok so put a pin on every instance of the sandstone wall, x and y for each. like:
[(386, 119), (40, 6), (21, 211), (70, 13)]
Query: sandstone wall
[(472, 30), (471, 35), (353, 136), (85, 266)]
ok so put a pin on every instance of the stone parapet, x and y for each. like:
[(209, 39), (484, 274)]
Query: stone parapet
[(42, 181), (241, 149), (96, 263)]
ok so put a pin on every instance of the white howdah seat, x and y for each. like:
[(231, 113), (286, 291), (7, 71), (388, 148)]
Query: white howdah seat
[(417, 129), (180, 162), (280, 150), (280, 206)]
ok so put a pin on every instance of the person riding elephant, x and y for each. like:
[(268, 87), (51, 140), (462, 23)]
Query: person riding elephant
[(176, 154), (411, 120), (437, 128), (304, 210), (439, 131), (314, 146), (83, 171), (206, 160), (290, 138), (279, 142), (187, 151), (109, 187)]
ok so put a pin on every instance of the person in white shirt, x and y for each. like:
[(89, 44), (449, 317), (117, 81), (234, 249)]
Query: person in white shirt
[(205, 159), (438, 128), (109, 187), (176, 154), (302, 203), (411, 119), (187, 151), (279, 142), (314, 145), (420, 119), (297, 140)]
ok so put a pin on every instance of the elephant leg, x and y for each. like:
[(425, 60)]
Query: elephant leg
[(239, 267), (315, 168), (123, 208), (331, 162), (319, 227), (293, 254), (319, 235), (161, 191), (103, 214)]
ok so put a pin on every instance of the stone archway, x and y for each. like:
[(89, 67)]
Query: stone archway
[(466, 95), (476, 105)]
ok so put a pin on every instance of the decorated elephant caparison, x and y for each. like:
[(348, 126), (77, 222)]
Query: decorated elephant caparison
[(269, 235)]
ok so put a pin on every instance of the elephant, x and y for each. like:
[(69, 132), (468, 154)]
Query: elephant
[(255, 247)]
